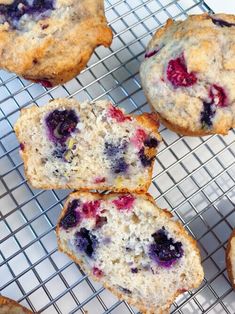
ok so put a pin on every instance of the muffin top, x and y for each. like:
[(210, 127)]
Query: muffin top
[(188, 74)]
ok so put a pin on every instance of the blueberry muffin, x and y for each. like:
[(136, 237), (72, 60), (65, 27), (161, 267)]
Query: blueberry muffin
[(188, 74), (230, 258), (8, 306), (92, 145), (50, 41), (131, 246)]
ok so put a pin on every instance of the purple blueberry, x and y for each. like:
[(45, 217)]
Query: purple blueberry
[(38, 9), (164, 251), (60, 124), (145, 160), (120, 166), (85, 241), (72, 217), (42, 5), (112, 149), (207, 114), (218, 98), (222, 23), (126, 291), (134, 270), (151, 142), (115, 153)]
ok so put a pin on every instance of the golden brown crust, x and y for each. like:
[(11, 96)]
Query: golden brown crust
[(149, 120), (59, 75), (59, 46), (139, 305), (228, 260), (12, 304), (194, 17), (183, 131), (188, 132)]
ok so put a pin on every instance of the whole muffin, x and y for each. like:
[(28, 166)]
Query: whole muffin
[(188, 74), (50, 41)]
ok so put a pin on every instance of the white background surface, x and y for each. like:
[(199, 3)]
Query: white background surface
[(226, 6)]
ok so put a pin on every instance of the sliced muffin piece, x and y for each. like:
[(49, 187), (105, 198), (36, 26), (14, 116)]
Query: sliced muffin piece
[(8, 306), (134, 248), (91, 145), (230, 258)]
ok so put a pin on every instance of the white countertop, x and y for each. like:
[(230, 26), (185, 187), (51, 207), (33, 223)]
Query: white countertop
[(225, 6)]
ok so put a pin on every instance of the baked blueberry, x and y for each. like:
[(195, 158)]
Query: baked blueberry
[(151, 142), (60, 124), (222, 23), (126, 291), (145, 160), (115, 153), (164, 250), (13, 12), (113, 149), (22, 146), (207, 114), (72, 216), (85, 241), (218, 98), (120, 165)]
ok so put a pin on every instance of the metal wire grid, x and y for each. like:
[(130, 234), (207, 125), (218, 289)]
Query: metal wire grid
[(194, 177)]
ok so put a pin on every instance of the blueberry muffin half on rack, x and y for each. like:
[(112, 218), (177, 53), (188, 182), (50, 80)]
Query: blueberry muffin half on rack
[(131, 246), (188, 74), (50, 41), (89, 145)]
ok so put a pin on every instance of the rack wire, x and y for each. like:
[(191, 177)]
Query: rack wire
[(193, 177)]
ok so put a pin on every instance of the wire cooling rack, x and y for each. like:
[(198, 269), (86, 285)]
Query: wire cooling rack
[(193, 177)]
